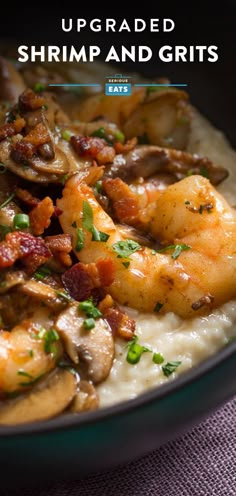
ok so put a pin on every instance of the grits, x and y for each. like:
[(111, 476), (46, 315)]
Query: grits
[(188, 341)]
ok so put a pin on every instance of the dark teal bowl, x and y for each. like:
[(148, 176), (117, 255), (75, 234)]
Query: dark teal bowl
[(74, 446)]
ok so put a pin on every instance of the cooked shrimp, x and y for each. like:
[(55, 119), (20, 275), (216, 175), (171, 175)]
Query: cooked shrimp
[(190, 213), (26, 354)]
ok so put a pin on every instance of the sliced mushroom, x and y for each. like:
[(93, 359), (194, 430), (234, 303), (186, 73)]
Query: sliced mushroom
[(145, 161), (47, 399), (10, 279), (163, 118), (11, 82), (88, 128), (24, 171), (86, 398), (44, 293), (95, 347)]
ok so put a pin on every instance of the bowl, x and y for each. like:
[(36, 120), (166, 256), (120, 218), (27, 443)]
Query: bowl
[(75, 446)]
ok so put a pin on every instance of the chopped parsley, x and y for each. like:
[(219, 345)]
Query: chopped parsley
[(80, 238), (158, 358), (135, 351), (42, 272), (8, 200), (126, 264), (177, 249), (125, 248), (31, 353), (154, 89), (98, 186), (64, 179), (158, 307), (170, 367), (87, 223)]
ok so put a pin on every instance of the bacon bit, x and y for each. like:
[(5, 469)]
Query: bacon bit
[(40, 216), (63, 257), (15, 127), (29, 100), (106, 271), (127, 147), (22, 151), (39, 135), (59, 242), (120, 323), (78, 282), (124, 202), (25, 196), (21, 245), (106, 303), (93, 147)]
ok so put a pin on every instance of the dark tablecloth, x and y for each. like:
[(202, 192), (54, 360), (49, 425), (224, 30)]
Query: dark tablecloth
[(200, 463)]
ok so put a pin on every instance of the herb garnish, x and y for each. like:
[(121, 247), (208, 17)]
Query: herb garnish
[(39, 87), (158, 358), (135, 350), (89, 309), (21, 221), (42, 272), (177, 249), (49, 337), (101, 133), (87, 223), (125, 248), (63, 294), (170, 367), (66, 134), (158, 307), (91, 312), (80, 239), (8, 200)]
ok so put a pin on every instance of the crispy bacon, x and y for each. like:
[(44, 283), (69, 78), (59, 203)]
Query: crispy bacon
[(126, 147), (124, 201), (93, 147), (20, 245), (121, 324), (25, 196), (39, 135), (106, 271), (22, 152), (29, 100), (8, 130), (59, 242), (40, 216), (78, 282)]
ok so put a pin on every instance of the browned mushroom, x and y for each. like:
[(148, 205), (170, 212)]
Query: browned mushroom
[(86, 398), (47, 399), (11, 82), (95, 348), (163, 118), (42, 292), (145, 161)]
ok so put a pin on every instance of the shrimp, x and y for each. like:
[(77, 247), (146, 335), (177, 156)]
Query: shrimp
[(26, 354), (190, 215)]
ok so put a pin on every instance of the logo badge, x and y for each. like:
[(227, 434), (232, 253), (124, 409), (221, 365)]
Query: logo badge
[(118, 85)]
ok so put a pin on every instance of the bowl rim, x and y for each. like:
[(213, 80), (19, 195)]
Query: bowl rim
[(156, 393)]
